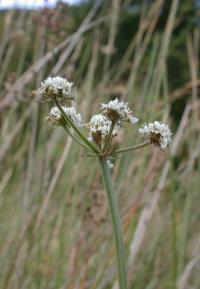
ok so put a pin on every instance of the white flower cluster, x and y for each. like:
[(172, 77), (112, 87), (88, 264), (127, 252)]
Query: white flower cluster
[(100, 126), (55, 86), (157, 133), (103, 127), (118, 110), (55, 115)]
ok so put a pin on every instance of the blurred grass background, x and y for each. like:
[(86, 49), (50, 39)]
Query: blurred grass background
[(55, 228)]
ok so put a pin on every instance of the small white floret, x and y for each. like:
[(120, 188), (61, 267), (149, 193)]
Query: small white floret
[(76, 117), (55, 115), (158, 133), (99, 126), (118, 110)]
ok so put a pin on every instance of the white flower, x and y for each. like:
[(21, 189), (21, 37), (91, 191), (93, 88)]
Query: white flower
[(55, 86), (99, 123), (110, 165), (76, 117), (99, 127), (158, 133), (56, 117), (118, 110), (54, 114)]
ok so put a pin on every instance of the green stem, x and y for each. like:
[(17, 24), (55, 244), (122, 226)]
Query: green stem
[(69, 121), (117, 227), (74, 138), (123, 150)]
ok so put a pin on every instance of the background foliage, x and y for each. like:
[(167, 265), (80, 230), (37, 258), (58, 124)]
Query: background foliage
[(55, 229)]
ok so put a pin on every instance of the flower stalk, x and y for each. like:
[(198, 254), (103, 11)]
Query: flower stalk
[(131, 148), (103, 128), (74, 137), (116, 222)]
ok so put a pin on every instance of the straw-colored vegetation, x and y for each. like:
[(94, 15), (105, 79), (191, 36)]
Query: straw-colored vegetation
[(55, 228)]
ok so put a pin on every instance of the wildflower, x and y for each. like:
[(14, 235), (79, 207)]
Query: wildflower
[(55, 87), (99, 127), (75, 117), (110, 164), (55, 115), (157, 133), (117, 110)]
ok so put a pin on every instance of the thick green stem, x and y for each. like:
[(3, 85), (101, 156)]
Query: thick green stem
[(117, 227)]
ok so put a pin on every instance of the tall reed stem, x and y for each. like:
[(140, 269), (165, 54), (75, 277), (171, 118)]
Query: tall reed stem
[(116, 222)]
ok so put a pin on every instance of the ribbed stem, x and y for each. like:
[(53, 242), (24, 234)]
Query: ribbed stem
[(116, 222)]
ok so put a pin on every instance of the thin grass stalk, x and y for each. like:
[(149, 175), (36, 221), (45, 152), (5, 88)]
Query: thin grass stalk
[(116, 222), (174, 240)]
